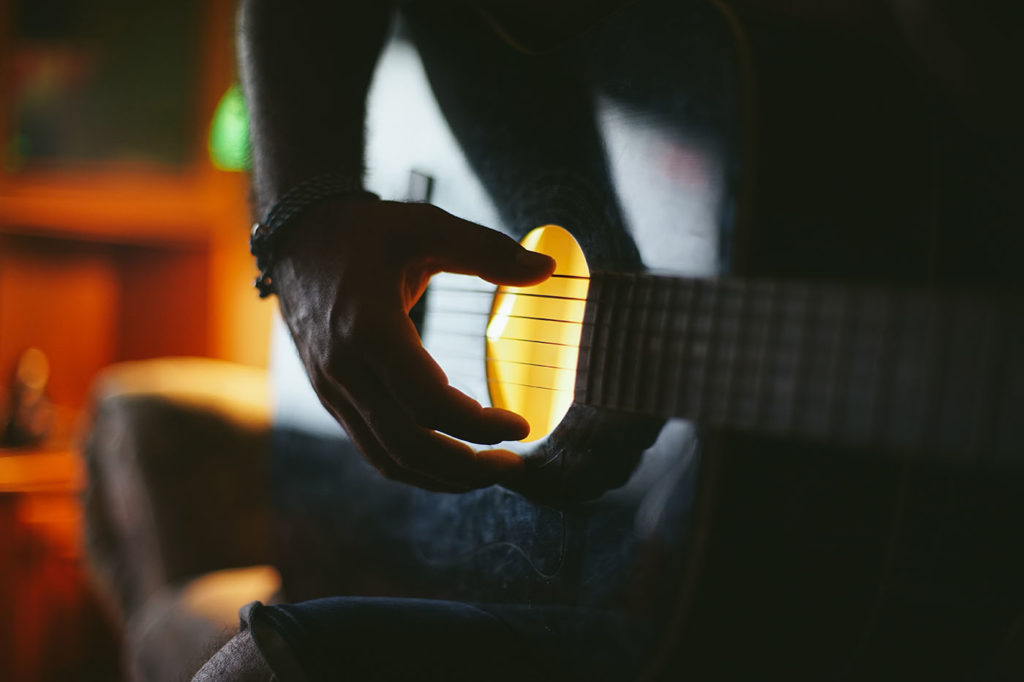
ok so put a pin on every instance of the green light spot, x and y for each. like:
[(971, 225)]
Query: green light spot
[(14, 153), (229, 132)]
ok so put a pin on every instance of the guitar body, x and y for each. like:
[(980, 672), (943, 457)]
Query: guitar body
[(689, 141), (842, 563)]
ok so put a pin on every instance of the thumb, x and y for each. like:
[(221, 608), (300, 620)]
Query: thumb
[(466, 248)]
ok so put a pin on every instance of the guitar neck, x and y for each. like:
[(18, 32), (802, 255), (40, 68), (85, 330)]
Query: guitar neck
[(881, 369)]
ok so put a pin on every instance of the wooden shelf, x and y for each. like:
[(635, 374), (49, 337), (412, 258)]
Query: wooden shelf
[(38, 471), (103, 262), (51, 624), (122, 206)]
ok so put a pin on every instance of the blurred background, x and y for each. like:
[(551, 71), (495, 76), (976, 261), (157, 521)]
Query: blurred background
[(120, 239)]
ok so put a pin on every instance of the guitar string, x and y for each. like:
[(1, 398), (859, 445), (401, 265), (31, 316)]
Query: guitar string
[(447, 357), (478, 336), (479, 372), (456, 312), (493, 292), (465, 314), (478, 375), (763, 310), (476, 313), (543, 388), (472, 335), (596, 299), (481, 358)]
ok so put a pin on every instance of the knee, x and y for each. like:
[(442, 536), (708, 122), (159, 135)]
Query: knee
[(237, 661)]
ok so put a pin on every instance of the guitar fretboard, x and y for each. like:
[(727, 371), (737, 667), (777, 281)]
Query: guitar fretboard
[(881, 369)]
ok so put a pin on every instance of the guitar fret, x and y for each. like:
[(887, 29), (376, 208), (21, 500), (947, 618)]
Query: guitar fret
[(609, 335), (588, 337), (681, 372), (825, 341), (862, 353), (603, 345), (835, 400), (637, 330), (801, 362), (730, 329), (807, 373), (764, 381), (742, 386), (702, 406), (787, 341), (954, 429), (896, 375), (623, 326), (1009, 404), (905, 398), (699, 350), (861, 367), (658, 387), (616, 342), (639, 387), (733, 371), (713, 346), (932, 383), (877, 365), (988, 349)]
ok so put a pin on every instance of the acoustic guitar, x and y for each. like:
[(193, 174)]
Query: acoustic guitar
[(774, 392)]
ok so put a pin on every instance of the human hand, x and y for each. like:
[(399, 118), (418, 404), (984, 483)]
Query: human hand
[(347, 272)]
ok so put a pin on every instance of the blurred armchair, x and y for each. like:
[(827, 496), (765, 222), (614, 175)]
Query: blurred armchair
[(177, 508)]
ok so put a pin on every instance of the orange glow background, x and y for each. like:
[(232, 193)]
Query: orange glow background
[(123, 260), (103, 261)]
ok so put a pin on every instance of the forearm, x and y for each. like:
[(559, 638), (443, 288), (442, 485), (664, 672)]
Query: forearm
[(305, 69)]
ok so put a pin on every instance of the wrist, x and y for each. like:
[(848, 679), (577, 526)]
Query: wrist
[(267, 232)]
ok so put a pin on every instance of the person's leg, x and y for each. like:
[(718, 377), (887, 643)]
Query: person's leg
[(239, 660), (359, 638)]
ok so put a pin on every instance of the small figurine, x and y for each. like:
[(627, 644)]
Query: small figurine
[(28, 416)]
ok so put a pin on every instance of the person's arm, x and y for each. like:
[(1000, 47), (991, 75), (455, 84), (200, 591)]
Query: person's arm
[(348, 270), (306, 69)]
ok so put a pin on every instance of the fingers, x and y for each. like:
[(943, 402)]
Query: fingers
[(465, 248), (402, 450), (420, 387), (368, 445), (349, 321)]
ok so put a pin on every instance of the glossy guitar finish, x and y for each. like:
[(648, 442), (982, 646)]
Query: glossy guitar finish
[(691, 142)]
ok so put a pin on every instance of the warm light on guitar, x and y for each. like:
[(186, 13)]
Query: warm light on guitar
[(697, 349), (533, 335)]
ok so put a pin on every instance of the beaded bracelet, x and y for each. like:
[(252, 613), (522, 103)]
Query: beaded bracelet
[(296, 200)]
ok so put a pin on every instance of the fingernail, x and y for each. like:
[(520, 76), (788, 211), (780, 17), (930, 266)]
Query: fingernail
[(515, 426)]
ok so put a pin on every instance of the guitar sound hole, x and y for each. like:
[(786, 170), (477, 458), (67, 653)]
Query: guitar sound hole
[(533, 335)]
